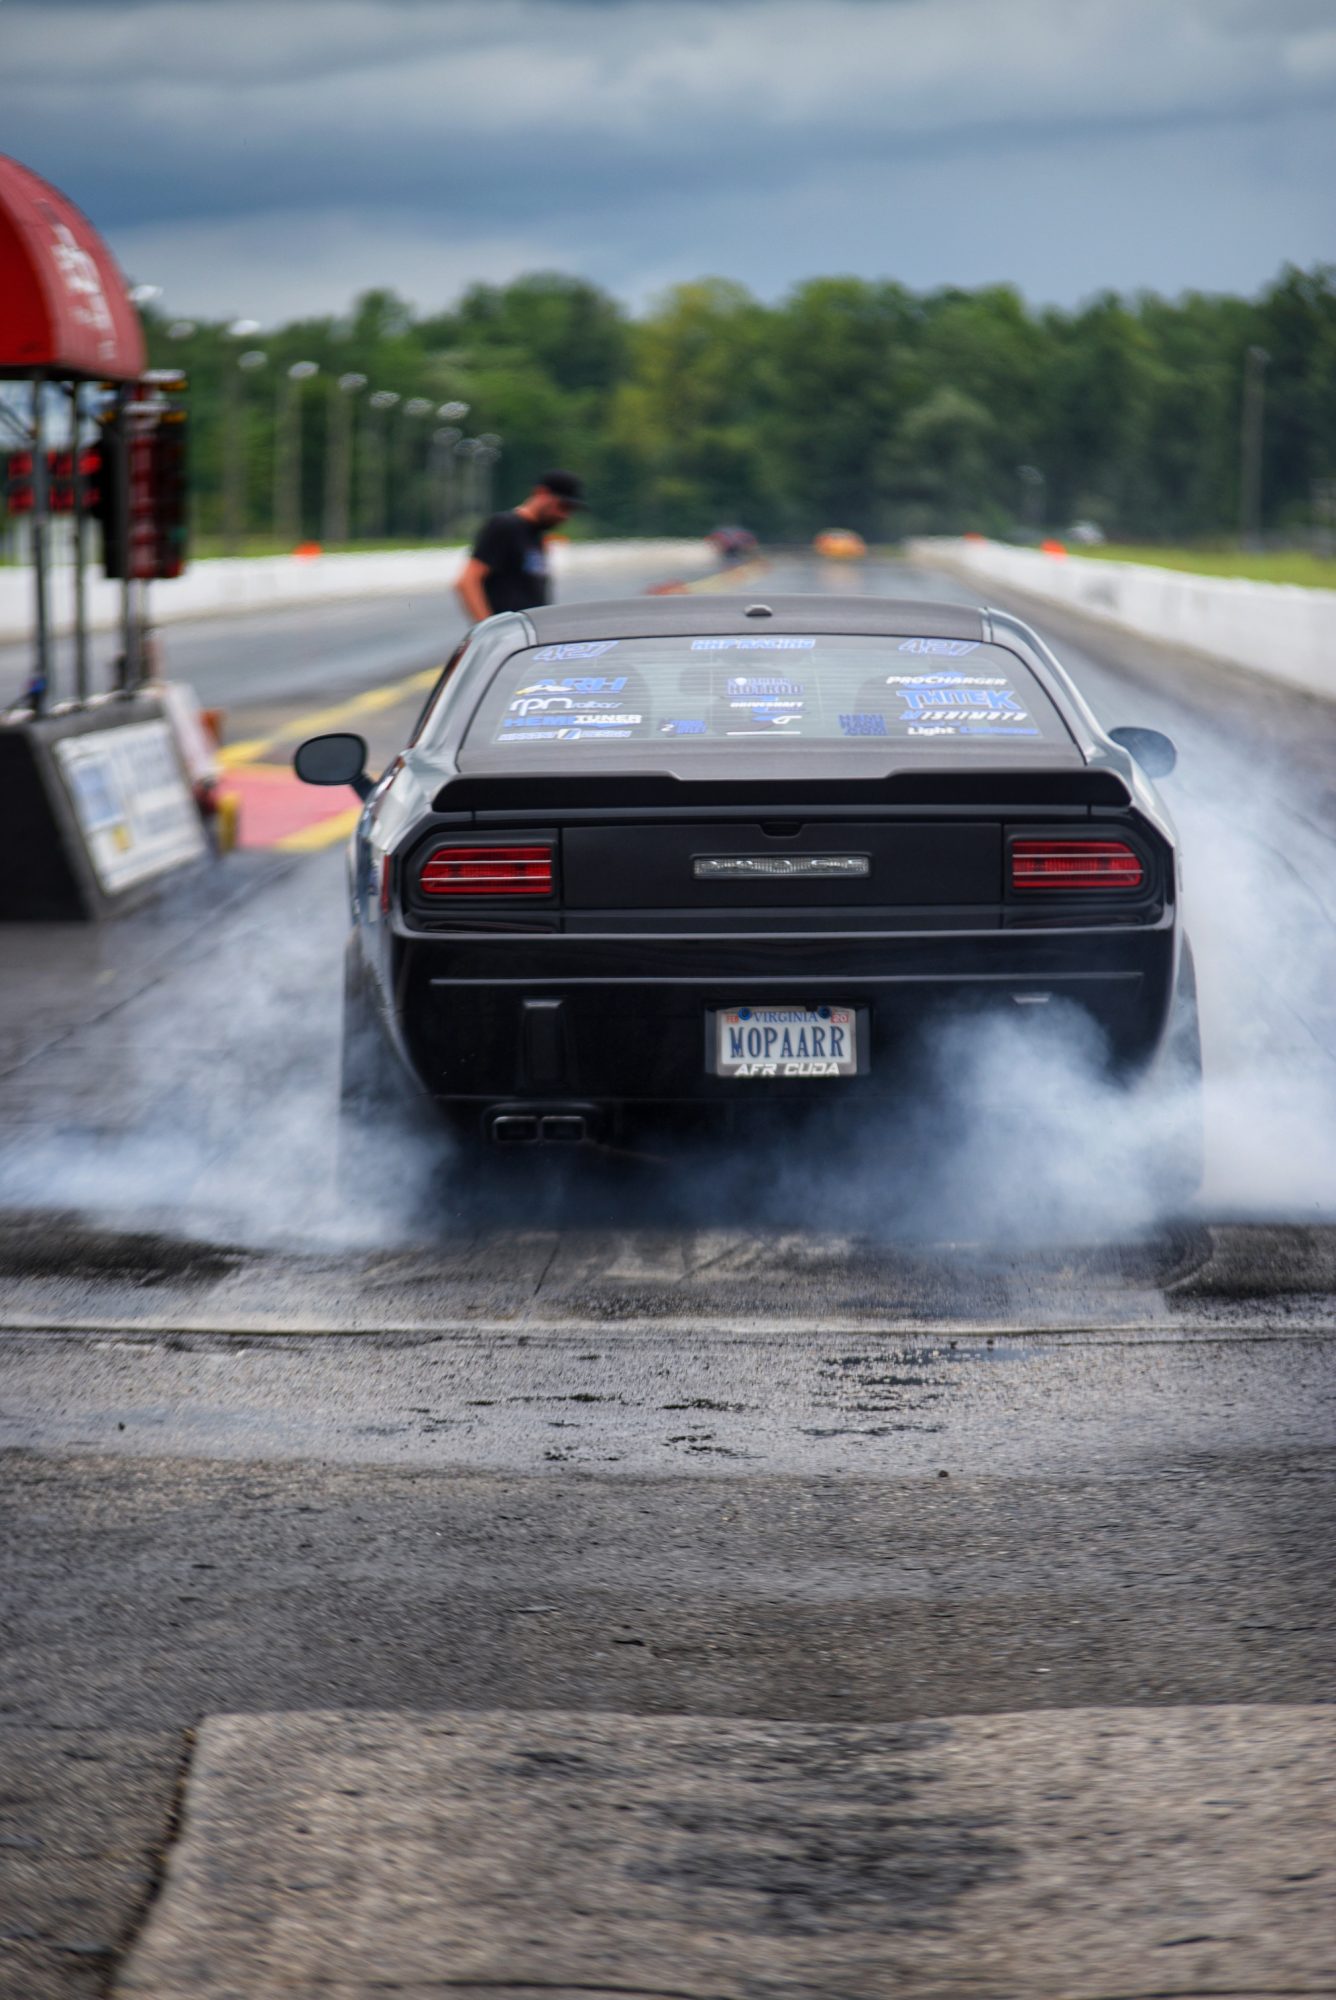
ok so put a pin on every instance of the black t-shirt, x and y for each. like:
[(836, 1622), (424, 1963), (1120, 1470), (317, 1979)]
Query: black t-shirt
[(512, 549)]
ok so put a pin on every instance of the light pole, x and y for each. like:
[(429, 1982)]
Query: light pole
[(443, 442), (339, 456), (452, 414), (468, 449), (288, 456), (485, 458), (234, 444), (375, 456), (1250, 467), (416, 408), (1032, 498)]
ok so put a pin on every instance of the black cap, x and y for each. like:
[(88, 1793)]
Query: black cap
[(565, 486)]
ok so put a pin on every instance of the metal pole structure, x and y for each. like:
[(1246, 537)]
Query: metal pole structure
[(1250, 467), (488, 457), (39, 686), (366, 472), (415, 485), (382, 402), (1032, 498), (125, 666), (468, 449), (232, 457), (443, 442), (453, 414), (234, 442), (288, 471), (235, 465), (339, 457), (80, 598)]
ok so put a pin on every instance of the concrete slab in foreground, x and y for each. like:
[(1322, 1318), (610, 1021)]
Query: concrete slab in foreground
[(1075, 1853)]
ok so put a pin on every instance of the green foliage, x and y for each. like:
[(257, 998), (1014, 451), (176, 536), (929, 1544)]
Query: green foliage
[(849, 402), (1313, 572)]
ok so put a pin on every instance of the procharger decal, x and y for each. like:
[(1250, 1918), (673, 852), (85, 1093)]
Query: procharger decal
[(947, 680), (750, 645), (585, 649), (998, 700)]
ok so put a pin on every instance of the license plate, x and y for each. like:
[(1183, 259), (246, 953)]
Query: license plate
[(786, 1041)]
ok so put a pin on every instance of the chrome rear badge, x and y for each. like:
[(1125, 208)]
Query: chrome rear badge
[(780, 867)]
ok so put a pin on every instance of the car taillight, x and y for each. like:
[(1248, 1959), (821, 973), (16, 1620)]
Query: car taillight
[(487, 871), (1074, 864)]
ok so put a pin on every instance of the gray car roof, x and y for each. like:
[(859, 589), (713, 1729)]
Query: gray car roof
[(646, 617)]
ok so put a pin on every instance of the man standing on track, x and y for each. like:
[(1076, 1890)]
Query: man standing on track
[(508, 568)]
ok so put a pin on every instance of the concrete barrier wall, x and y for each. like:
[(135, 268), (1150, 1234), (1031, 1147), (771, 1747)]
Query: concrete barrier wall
[(222, 588), (1276, 629)]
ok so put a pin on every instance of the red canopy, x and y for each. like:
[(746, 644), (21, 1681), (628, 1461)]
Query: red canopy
[(64, 308)]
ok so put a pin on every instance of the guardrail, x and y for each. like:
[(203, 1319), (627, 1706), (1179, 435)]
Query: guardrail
[(228, 587), (1281, 630)]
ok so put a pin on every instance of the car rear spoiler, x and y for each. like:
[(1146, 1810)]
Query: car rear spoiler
[(539, 791)]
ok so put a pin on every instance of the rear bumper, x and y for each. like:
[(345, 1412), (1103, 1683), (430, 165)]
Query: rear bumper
[(623, 1019)]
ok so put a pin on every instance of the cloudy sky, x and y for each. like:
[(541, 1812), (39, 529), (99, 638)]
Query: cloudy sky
[(273, 157)]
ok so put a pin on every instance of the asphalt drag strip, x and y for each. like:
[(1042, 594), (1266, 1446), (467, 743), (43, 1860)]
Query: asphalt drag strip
[(688, 1475), (1070, 1855)]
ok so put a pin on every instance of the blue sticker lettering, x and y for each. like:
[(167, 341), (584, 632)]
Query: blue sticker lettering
[(750, 645), (586, 649), (919, 700), (945, 649), (581, 684), (687, 728), (863, 725), (775, 688)]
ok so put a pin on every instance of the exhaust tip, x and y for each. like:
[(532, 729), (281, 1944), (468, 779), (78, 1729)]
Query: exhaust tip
[(515, 1129), (566, 1129)]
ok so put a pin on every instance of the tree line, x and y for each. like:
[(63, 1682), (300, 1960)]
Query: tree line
[(849, 402)]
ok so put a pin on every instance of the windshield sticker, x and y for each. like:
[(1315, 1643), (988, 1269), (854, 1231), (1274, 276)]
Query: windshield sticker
[(581, 684), (750, 645), (539, 704), (945, 649), (616, 720), (755, 689), (919, 700), (689, 695), (947, 680), (587, 649), (570, 735)]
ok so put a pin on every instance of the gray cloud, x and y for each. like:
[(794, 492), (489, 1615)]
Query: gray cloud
[(271, 152)]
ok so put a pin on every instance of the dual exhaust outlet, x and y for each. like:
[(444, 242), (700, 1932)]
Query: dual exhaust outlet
[(538, 1128)]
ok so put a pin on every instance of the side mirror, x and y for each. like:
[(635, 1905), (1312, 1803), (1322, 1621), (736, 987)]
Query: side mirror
[(1151, 748), (333, 760)]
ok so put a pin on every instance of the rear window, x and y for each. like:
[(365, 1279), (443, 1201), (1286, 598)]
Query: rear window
[(744, 691)]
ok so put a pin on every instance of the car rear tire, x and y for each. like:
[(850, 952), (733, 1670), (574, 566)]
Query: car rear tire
[(379, 1107), (1180, 1160)]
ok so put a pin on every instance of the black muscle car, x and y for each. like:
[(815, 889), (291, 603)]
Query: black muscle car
[(689, 853)]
